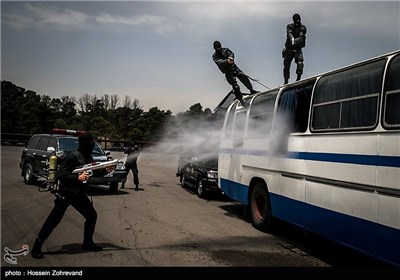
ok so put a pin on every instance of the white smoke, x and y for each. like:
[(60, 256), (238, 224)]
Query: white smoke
[(200, 136)]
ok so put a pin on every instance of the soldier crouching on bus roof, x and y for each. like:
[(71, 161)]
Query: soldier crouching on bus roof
[(224, 58), (72, 193)]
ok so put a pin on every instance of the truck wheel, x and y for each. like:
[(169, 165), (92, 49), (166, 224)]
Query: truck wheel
[(200, 188), (29, 178), (114, 187), (260, 208)]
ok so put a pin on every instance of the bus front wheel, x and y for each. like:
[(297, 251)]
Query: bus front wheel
[(260, 208)]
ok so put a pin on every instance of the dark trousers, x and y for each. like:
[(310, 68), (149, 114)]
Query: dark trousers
[(81, 203), (298, 59), (135, 173), (231, 79)]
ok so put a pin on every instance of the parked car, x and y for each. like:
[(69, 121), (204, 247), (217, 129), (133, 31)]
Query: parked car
[(35, 157), (117, 147), (199, 173)]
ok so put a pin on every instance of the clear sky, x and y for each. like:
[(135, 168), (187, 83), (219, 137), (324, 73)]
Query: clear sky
[(159, 52)]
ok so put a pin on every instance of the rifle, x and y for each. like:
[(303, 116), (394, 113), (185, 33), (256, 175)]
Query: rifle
[(94, 165)]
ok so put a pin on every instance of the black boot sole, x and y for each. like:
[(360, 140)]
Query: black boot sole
[(37, 255)]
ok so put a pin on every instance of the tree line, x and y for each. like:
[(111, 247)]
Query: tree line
[(27, 112)]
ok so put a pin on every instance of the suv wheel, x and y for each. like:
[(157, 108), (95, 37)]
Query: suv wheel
[(29, 178), (200, 188)]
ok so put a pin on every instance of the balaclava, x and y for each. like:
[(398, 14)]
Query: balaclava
[(217, 45), (296, 19), (86, 144)]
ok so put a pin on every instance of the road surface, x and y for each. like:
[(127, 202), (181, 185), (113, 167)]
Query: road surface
[(161, 225)]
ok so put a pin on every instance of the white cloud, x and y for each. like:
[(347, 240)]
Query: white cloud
[(236, 10), (204, 17), (18, 22), (159, 24), (52, 15), (144, 19)]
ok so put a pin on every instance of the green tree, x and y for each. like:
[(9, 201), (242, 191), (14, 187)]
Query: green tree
[(24, 111)]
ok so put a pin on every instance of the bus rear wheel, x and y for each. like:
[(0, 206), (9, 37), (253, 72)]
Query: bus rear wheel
[(260, 208)]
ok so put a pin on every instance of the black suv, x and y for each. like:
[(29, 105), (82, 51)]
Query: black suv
[(34, 162), (199, 173)]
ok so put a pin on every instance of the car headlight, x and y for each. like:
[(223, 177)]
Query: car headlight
[(212, 174), (120, 165)]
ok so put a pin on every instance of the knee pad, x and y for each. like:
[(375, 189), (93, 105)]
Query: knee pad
[(300, 67)]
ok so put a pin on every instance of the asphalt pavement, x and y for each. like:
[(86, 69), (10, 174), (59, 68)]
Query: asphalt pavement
[(162, 225)]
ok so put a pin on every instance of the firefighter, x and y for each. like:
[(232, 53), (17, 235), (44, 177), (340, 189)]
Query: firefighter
[(71, 192), (132, 153)]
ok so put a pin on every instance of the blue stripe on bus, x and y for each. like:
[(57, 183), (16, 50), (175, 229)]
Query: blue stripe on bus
[(344, 229), (374, 160), (374, 239)]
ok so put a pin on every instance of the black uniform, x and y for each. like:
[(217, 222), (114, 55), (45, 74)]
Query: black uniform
[(71, 193), (131, 164), (231, 71), (295, 41)]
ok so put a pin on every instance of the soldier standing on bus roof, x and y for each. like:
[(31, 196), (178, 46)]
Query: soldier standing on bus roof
[(224, 58), (295, 41)]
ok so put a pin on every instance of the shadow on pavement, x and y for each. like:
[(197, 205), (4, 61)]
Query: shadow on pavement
[(75, 248), (293, 237)]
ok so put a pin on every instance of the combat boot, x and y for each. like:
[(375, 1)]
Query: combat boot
[(244, 104), (37, 249), (89, 245)]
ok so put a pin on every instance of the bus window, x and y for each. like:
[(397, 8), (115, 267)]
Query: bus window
[(261, 112), (303, 108), (348, 99), (293, 108), (238, 130), (229, 122), (392, 96)]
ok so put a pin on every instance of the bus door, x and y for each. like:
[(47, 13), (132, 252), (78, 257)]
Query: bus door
[(288, 145), (389, 142), (229, 162), (388, 174)]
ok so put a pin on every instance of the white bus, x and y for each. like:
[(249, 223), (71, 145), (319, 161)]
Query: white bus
[(323, 154)]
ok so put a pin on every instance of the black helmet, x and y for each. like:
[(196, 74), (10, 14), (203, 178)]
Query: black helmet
[(217, 45), (296, 18)]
